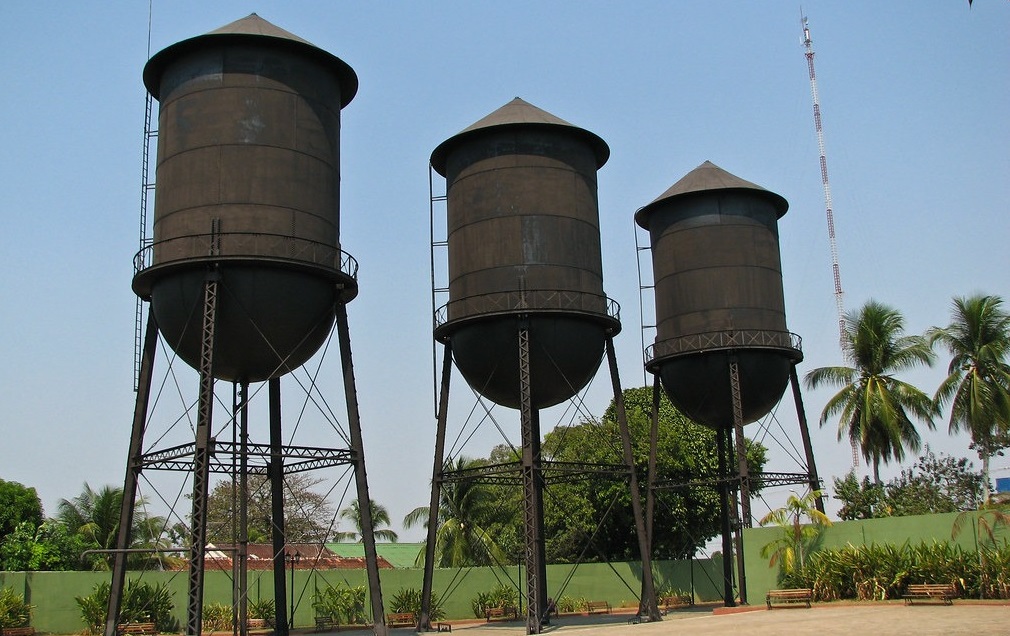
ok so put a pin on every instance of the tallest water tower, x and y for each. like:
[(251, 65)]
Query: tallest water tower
[(245, 275)]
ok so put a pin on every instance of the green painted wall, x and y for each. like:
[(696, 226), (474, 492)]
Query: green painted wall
[(56, 611), (896, 530)]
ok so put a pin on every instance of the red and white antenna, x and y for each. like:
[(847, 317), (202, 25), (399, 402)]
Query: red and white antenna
[(828, 206)]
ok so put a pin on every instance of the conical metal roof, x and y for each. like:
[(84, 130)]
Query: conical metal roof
[(518, 113), (708, 177), (266, 34)]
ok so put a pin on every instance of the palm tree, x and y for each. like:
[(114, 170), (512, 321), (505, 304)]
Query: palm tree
[(380, 517), (977, 386), (789, 550), (94, 515), (464, 510), (873, 406)]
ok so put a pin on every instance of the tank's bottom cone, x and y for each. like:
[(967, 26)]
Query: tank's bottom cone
[(565, 354)]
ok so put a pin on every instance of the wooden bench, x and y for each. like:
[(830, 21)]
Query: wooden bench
[(597, 607), (325, 623), (401, 619), (943, 592), (501, 613), (677, 601), (797, 595), (142, 629), (17, 631)]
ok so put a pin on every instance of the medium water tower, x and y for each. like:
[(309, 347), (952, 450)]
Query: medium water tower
[(527, 321), (245, 274)]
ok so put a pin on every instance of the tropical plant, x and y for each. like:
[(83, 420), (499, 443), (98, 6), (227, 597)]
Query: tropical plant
[(501, 596), (873, 406), (408, 599), (14, 612), (262, 609), (217, 617), (380, 517), (341, 604), (977, 386), (94, 515), (462, 537), (47, 547), (790, 549), (142, 603)]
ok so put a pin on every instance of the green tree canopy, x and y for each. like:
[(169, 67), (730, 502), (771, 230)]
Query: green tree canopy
[(685, 517), (934, 484), (46, 547), (874, 406), (18, 503)]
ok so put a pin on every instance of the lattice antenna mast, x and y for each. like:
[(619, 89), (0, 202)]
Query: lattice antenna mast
[(808, 45)]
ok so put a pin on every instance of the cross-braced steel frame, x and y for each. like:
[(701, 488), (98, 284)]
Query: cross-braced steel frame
[(207, 455), (734, 515), (533, 473)]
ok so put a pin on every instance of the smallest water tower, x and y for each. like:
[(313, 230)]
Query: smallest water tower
[(722, 351)]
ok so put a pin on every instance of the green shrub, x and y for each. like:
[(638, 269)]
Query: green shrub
[(142, 603), (408, 599), (14, 612), (217, 617), (262, 609), (567, 605), (341, 604), (501, 596)]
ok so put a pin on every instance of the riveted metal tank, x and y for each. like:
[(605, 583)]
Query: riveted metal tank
[(524, 251), (248, 187), (718, 290)]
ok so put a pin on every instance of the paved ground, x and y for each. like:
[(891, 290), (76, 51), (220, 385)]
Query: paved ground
[(877, 619)]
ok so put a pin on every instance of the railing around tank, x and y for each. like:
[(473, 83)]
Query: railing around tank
[(245, 244), (716, 340), (527, 300)]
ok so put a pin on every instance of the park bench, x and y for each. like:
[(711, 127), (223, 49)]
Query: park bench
[(401, 619), (501, 613), (943, 592), (597, 607), (796, 595), (17, 631), (136, 629), (326, 623), (676, 601)]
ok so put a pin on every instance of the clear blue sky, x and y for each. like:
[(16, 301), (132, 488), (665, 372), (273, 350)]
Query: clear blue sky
[(914, 98)]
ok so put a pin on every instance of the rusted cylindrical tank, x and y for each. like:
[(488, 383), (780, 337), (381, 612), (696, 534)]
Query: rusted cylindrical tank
[(248, 188), (718, 290), (524, 251)]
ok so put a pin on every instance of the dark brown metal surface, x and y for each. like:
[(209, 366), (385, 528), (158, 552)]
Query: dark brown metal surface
[(718, 283), (524, 240), (248, 178)]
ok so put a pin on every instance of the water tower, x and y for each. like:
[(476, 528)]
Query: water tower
[(527, 321), (245, 275), (722, 352)]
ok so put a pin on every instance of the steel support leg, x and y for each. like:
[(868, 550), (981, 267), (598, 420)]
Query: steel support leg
[(201, 458), (533, 503), (801, 415), (424, 620), (647, 605), (721, 436), (744, 474), (360, 476), (242, 554), (132, 474), (275, 472)]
